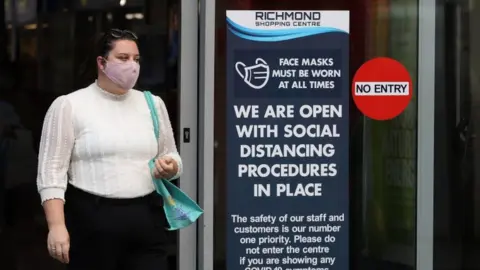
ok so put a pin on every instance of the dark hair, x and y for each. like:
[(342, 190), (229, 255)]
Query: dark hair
[(103, 44)]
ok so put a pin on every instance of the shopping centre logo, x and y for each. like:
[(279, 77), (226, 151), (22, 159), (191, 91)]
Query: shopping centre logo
[(256, 76)]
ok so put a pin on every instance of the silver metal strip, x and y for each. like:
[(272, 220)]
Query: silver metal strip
[(206, 134), (188, 104), (426, 114)]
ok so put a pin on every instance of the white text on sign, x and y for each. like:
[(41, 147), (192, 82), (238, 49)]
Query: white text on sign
[(382, 89)]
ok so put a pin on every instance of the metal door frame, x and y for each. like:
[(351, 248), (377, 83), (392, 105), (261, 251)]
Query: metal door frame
[(188, 110), (206, 132), (426, 114), (197, 51)]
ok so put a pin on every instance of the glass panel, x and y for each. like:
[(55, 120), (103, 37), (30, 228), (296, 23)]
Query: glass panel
[(383, 154), (456, 204), (49, 54), (390, 150)]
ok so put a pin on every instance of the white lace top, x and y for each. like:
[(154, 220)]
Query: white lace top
[(101, 143)]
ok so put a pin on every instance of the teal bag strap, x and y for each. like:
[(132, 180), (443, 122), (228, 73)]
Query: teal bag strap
[(160, 187), (153, 113)]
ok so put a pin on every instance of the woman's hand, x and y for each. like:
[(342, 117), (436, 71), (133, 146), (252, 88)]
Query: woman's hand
[(59, 243), (165, 167)]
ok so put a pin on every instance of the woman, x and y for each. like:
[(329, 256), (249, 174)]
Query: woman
[(94, 152)]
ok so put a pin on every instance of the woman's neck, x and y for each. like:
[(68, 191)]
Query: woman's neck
[(107, 85)]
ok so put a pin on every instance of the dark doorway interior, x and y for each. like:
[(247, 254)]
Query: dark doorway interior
[(41, 58)]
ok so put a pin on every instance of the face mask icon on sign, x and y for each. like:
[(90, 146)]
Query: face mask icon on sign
[(255, 76)]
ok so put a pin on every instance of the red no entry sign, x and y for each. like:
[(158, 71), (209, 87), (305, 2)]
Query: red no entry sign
[(382, 88)]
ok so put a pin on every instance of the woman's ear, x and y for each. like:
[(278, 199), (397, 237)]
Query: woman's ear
[(101, 63)]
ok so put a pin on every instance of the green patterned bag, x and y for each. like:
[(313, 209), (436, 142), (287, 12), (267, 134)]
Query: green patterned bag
[(180, 210)]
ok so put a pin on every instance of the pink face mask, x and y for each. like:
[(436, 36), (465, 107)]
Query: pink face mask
[(123, 74)]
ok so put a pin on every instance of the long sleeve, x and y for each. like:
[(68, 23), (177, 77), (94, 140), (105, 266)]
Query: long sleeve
[(56, 146), (166, 141)]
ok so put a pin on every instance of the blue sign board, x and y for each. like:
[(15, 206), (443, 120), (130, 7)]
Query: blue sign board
[(287, 140)]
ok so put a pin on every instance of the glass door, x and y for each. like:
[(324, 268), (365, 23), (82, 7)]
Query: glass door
[(457, 150), (383, 156)]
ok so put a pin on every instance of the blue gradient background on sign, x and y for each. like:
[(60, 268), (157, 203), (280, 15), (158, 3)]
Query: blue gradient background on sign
[(277, 35)]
